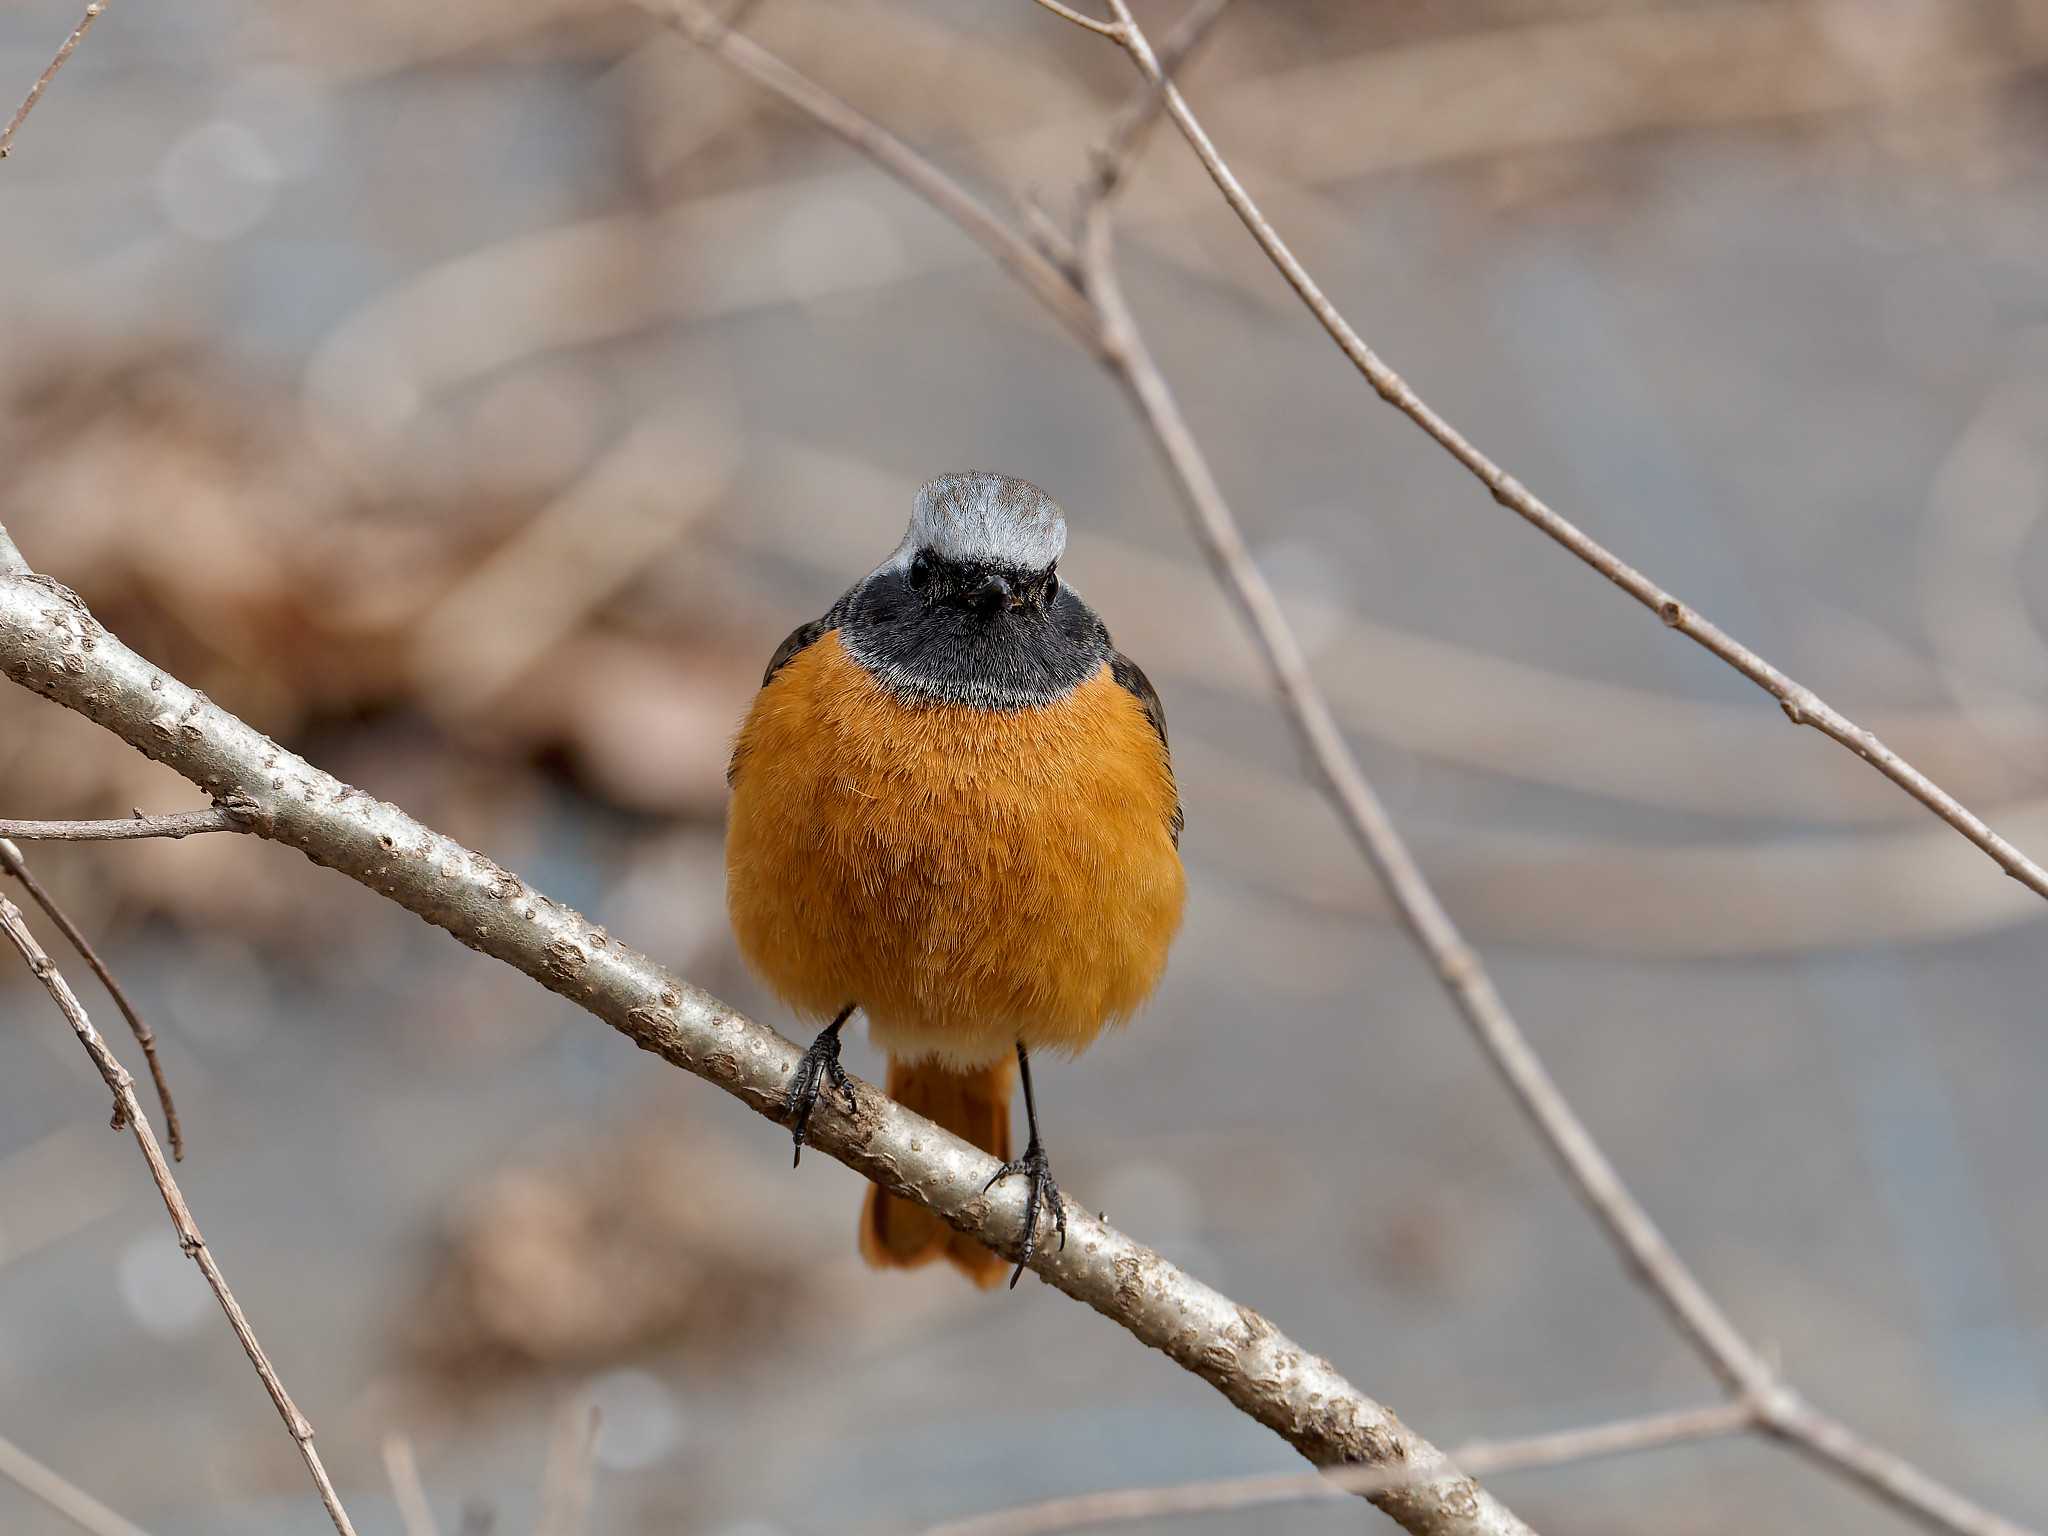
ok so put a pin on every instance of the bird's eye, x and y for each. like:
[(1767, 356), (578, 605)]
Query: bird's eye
[(920, 569)]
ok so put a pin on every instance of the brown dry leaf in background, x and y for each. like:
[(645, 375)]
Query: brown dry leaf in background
[(269, 580), (631, 1244)]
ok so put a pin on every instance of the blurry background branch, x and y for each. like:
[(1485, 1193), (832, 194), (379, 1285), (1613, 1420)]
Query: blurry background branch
[(407, 1491), (49, 1487), (565, 1482), (1087, 264), (51, 644)]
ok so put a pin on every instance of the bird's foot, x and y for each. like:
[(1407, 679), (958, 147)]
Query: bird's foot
[(818, 1066), (1043, 1192)]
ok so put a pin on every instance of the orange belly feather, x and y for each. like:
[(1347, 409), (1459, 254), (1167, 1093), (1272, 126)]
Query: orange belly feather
[(970, 877)]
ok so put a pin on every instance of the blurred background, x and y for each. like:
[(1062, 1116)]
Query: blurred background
[(474, 394)]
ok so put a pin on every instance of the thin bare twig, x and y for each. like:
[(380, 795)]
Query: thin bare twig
[(1106, 28), (1481, 1458), (1888, 1475), (35, 92), (1127, 135), (128, 1110), (1748, 1376), (1016, 255), (61, 1494), (12, 861), (175, 824), (407, 1491), (51, 644), (1802, 706)]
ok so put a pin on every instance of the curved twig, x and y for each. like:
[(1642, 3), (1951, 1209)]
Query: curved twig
[(128, 1112), (12, 861)]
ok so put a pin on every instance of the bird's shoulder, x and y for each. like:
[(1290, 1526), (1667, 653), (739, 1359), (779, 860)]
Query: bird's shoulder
[(809, 633), (1131, 677)]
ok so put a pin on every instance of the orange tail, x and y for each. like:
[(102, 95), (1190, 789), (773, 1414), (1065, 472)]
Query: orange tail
[(973, 1105)]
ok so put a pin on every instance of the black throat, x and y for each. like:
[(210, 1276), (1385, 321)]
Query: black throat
[(929, 638)]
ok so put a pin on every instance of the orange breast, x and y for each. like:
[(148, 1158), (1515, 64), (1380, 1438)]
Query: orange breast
[(969, 877)]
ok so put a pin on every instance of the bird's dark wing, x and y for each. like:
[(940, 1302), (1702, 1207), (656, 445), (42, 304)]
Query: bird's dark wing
[(799, 638), (1132, 679)]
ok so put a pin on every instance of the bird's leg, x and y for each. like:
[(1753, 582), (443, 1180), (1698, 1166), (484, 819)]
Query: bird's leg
[(818, 1066), (1043, 1191)]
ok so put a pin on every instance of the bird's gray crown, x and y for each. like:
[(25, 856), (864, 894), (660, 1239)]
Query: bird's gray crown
[(981, 518)]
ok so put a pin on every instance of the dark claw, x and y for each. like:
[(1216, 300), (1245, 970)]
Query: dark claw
[(819, 1065), (1044, 1192)]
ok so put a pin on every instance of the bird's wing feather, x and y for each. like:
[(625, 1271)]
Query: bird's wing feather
[(803, 636), (1132, 679)]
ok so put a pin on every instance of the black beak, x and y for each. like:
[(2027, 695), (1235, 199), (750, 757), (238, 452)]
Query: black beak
[(990, 593)]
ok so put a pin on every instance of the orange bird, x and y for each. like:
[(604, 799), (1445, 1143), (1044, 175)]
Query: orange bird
[(953, 810)]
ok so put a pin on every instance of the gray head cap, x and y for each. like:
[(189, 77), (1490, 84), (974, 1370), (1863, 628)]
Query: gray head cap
[(993, 519)]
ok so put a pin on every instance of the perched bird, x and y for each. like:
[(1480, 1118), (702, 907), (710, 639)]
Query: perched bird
[(953, 810)]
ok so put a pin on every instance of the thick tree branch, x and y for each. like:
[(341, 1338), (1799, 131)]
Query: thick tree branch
[(52, 645), (1802, 706), (128, 1112)]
